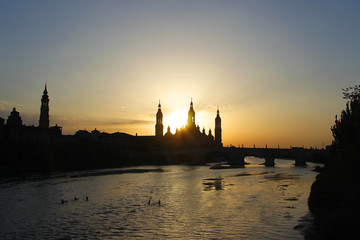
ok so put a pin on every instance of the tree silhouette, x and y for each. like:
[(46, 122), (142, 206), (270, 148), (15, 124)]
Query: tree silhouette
[(346, 131)]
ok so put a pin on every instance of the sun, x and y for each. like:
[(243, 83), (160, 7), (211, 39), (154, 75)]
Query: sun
[(177, 119)]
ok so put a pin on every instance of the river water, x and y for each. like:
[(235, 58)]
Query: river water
[(254, 202)]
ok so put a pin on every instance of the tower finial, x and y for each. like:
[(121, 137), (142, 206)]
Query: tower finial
[(45, 90)]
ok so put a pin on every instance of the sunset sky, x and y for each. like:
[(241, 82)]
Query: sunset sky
[(274, 68)]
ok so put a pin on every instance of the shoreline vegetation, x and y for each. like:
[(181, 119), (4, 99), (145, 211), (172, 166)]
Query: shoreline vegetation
[(334, 199)]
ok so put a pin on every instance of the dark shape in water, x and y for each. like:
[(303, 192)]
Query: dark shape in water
[(213, 184)]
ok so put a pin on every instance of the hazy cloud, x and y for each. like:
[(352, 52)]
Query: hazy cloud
[(82, 120), (132, 122), (7, 106)]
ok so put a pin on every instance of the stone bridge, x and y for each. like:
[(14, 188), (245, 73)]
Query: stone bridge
[(236, 156)]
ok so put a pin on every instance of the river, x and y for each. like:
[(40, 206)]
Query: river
[(254, 202)]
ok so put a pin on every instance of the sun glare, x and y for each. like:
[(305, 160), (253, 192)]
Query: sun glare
[(178, 119), (175, 120)]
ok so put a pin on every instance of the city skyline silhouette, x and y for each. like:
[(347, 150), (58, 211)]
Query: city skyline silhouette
[(276, 76), (160, 128), (184, 119)]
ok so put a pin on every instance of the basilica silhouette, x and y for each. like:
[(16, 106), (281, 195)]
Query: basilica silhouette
[(190, 134)]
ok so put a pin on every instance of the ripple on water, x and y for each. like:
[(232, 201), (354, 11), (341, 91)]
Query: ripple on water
[(282, 176), (248, 205)]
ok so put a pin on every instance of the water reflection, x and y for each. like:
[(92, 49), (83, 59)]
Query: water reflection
[(196, 203), (213, 184), (282, 176)]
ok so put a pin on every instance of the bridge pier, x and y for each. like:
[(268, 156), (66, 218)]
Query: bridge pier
[(300, 158), (236, 159), (269, 161), (269, 158), (300, 162)]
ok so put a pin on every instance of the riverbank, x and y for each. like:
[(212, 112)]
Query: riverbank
[(334, 201), (21, 159)]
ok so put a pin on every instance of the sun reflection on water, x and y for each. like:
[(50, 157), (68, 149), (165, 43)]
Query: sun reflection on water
[(195, 202)]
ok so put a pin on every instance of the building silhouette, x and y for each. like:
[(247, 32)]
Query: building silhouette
[(2, 123), (218, 138), (14, 120), (189, 135), (44, 120), (14, 131), (159, 127), (191, 117), (44, 148)]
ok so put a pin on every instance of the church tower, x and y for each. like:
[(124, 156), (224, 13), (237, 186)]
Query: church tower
[(191, 116), (159, 127), (44, 121), (218, 139)]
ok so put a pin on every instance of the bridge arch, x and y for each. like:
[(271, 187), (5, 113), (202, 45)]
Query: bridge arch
[(237, 155)]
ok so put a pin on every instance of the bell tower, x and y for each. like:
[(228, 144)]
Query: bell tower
[(218, 139), (191, 116), (44, 121), (159, 127)]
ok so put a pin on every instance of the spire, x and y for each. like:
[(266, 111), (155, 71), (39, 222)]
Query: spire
[(191, 116), (44, 110), (159, 128), (45, 90), (159, 109), (218, 138)]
